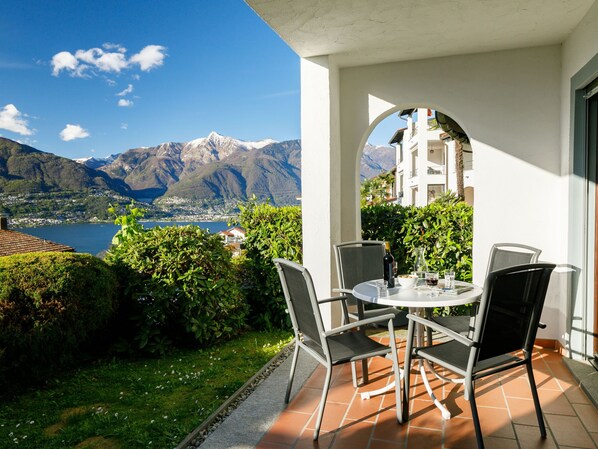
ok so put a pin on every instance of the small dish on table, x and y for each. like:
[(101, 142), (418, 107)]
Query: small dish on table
[(407, 280)]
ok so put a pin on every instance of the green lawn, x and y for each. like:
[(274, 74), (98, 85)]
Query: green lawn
[(135, 404)]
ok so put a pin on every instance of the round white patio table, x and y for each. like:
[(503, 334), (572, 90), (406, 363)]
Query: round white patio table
[(416, 299)]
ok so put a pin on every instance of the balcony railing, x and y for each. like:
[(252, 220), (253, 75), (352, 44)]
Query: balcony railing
[(436, 169)]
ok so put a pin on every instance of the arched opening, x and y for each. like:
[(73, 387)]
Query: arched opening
[(432, 156)]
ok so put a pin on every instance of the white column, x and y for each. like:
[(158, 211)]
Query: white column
[(422, 152), (320, 174)]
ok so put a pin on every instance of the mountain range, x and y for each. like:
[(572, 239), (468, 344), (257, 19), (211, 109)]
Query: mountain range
[(212, 170), (24, 169)]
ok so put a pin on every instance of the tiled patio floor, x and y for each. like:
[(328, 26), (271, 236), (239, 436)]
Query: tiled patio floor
[(504, 402)]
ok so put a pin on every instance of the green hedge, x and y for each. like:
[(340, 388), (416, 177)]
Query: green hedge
[(444, 228), (181, 288), (51, 304), (270, 232)]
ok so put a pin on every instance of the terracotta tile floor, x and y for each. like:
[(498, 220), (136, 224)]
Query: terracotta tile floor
[(504, 403)]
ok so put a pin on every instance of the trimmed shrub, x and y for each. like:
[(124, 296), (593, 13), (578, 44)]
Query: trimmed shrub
[(180, 288), (270, 232), (444, 228), (50, 306)]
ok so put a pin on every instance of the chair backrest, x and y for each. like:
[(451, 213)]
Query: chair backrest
[(302, 303), (504, 255), (510, 309), (359, 261)]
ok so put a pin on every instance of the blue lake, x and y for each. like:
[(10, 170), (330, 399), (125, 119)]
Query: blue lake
[(94, 238)]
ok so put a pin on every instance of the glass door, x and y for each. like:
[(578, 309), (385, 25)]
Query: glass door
[(591, 97)]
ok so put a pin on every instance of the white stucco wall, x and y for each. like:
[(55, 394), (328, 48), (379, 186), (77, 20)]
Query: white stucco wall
[(516, 108), (509, 104)]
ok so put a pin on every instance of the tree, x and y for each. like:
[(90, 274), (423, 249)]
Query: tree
[(453, 129), (377, 190)]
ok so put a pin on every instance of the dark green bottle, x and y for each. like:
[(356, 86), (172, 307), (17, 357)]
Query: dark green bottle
[(389, 277)]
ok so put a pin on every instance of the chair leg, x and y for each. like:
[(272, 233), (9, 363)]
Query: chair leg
[(407, 370), (292, 373), (364, 373), (365, 378), (354, 374), (470, 396), (323, 401), (532, 383)]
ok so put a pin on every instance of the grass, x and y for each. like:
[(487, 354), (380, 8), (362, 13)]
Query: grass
[(135, 404)]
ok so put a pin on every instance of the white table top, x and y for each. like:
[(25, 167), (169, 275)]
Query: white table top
[(415, 297)]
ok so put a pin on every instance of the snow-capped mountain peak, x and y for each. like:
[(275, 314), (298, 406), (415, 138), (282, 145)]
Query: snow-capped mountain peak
[(96, 162)]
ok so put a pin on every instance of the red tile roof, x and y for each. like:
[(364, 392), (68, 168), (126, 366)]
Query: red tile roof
[(14, 242)]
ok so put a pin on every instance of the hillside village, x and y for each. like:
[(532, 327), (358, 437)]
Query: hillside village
[(198, 180)]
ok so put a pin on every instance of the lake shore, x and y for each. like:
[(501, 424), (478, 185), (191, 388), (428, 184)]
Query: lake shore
[(95, 238), (28, 222)]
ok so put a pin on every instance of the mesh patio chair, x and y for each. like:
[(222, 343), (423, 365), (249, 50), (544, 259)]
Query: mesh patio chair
[(503, 338), (502, 255), (337, 346), (359, 261)]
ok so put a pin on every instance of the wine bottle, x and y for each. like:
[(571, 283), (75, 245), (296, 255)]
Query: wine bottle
[(389, 277)]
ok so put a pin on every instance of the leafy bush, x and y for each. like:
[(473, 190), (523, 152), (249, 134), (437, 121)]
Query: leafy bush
[(270, 232), (444, 228), (50, 306), (180, 289)]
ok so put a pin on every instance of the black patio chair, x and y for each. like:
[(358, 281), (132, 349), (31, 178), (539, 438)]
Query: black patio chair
[(505, 330), (334, 347), (359, 261), (502, 255)]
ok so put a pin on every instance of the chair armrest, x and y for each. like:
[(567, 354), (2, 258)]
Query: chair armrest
[(355, 324), (346, 291), (334, 298), (443, 330)]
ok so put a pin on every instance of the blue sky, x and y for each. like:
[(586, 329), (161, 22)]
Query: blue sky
[(82, 79)]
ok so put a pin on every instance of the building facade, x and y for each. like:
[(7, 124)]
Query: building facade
[(426, 163)]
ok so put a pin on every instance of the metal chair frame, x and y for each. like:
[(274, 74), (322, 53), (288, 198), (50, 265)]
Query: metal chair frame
[(337, 346), (367, 272), (487, 353)]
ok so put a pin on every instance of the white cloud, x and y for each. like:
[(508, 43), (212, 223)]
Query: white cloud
[(127, 91), (124, 126), (11, 119), (99, 59), (72, 132), (64, 61), (111, 59), (125, 103), (110, 46), (149, 57)]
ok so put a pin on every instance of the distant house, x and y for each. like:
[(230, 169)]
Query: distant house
[(233, 235), (233, 238), (14, 242)]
